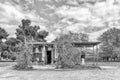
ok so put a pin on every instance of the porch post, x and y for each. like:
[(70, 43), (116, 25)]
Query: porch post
[(97, 54), (52, 54), (94, 55), (43, 53), (56, 54)]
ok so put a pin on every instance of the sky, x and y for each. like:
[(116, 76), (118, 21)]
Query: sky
[(61, 16)]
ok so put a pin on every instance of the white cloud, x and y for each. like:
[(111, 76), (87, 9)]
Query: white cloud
[(84, 17), (9, 28), (94, 16), (93, 36), (16, 13), (50, 37), (78, 13), (11, 16), (10, 12)]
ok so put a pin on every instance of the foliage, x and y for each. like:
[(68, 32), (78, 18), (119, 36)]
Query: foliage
[(4, 51), (3, 34), (25, 33), (41, 35), (10, 47), (25, 30), (110, 41), (78, 37), (12, 41), (69, 55), (5, 54), (24, 58)]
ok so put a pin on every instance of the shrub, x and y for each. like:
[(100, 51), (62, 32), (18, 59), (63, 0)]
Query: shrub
[(24, 59), (68, 56)]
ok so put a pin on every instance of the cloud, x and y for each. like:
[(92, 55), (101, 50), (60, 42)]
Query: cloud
[(9, 28), (94, 19), (62, 16), (78, 13), (11, 16), (50, 37)]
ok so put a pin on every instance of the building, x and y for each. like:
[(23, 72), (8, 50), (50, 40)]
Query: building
[(46, 53)]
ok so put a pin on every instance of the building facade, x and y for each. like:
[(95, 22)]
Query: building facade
[(43, 52)]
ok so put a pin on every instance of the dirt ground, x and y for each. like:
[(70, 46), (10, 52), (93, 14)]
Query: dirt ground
[(107, 74)]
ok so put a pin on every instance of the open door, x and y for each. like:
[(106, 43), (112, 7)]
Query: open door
[(49, 57)]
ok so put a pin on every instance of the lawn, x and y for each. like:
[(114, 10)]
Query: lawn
[(105, 63), (109, 74), (6, 63)]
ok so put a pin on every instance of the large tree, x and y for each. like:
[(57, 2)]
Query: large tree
[(27, 32), (110, 41)]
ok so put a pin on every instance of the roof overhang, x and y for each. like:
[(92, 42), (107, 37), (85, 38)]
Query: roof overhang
[(76, 44), (85, 44)]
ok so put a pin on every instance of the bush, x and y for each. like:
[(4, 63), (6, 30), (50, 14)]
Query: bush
[(5, 54), (69, 56), (24, 59)]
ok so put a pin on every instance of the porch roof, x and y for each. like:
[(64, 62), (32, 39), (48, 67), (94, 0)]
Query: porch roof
[(85, 44), (76, 44), (40, 43)]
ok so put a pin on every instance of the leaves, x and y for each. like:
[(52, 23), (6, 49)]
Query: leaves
[(3, 34), (41, 35), (68, 55), (110, 41), (12, 41), (25, 30)]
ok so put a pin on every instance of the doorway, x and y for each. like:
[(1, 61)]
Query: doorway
[(49, 57)]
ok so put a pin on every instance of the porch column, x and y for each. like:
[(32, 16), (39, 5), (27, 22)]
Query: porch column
[(43, 53), (97, 54), (56, 53), (94, 55), (52, 54)]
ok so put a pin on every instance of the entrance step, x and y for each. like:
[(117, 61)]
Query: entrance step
[(43, 66)]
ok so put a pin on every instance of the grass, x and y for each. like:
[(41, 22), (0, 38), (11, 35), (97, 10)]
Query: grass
[(105, 63), (62, 75), (94, 74), (6, 63)]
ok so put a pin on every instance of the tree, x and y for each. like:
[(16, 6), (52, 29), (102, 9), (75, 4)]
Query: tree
[(78, 37), (3, 34), (69, 55), (12, 41), (26, 33), (25, 30), (110, 41), (41, 35), (12, 49), (4, 50)]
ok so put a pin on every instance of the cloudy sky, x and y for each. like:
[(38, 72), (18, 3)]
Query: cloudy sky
[(60, 16)]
